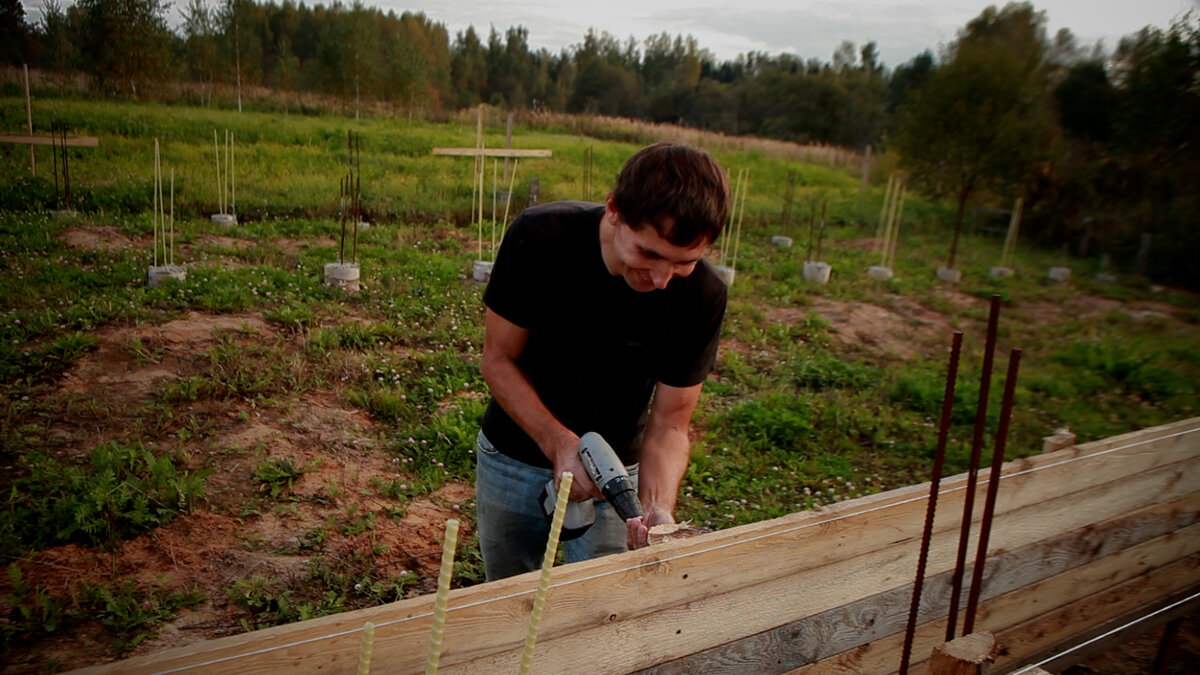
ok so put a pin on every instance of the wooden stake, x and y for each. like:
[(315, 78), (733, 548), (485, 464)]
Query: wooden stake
[(737, 240), (887, 198), (364, 651), (812, 220), (1010, 240), (54, 155), (895, 237), (443, 597), (154, 201), (356, 167), (232, 178), (968, 655), (512, 179), (217, 154), (172, 237), (225, 185), (539, 599), (821, 231), (29, 121)]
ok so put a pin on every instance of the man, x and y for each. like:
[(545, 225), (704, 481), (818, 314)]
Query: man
[(600, 318)]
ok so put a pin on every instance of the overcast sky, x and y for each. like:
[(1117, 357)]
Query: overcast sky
[(901, 29)]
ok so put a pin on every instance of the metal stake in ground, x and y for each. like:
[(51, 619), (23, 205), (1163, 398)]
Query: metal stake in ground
[(985, 379), (939, 458), (989, 507)]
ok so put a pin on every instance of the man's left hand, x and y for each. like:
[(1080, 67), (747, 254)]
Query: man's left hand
[(637, 530)]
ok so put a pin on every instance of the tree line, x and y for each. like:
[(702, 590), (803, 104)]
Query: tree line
[(1101, 145)]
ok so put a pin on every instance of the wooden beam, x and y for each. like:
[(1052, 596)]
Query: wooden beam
[(864, 621), (677, 598), (492, 152), (1044, 606), (967, 655), (794, 588), (30, 139)]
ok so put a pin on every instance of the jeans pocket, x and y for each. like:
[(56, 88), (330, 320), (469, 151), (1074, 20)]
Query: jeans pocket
[(485, 447)]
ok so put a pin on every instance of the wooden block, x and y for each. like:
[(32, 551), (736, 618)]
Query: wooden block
[(1061, 438), (492, 152), (967, 655), (29, 139)]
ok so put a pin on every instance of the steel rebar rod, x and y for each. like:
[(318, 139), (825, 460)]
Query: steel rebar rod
[(985, 379), (989, 505), (939, 458)]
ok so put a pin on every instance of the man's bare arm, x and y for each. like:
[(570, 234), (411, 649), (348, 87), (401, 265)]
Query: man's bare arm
[(666, 451), (503, 343)]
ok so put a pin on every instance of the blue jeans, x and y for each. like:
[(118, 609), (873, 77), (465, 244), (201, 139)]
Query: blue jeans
[(513, 530)]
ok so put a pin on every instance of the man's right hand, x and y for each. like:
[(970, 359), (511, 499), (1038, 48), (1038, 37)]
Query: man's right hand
[(566, 458)]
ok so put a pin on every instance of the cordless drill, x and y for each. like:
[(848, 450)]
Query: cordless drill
[(605, 469)]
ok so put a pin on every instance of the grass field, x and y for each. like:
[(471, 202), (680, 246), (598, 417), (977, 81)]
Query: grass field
[(251, 447)]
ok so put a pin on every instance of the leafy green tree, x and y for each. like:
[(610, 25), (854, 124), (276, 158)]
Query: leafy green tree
[(124, 42), (17, 39), (59, 30), (200, 42), (978, 123), (468, 68)]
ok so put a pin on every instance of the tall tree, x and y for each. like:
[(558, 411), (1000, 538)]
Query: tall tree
[(124, 42), (978, 123), (16, 36)]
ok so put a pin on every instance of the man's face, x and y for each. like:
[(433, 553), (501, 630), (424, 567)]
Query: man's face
[(649, 262)]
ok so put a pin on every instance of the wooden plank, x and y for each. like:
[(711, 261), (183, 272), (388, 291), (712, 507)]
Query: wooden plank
[(1114, 632), (703, 622), (967, 655), (30, 139), (852, 625), (1065, 625), (492, 152), (650, 595), (1005, 614)]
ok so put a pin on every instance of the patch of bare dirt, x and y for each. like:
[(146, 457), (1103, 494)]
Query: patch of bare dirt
[(868, 244), (903, 329), (1086, 307), (132, 362), (226, 242), (97, 238), (240, 531), (294, 246)]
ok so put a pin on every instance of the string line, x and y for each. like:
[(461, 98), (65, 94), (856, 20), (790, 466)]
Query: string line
[(1111, 632)]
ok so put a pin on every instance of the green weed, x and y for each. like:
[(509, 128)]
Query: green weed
[(120, 491), (276, 477)]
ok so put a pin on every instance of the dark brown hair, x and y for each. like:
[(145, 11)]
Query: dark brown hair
[(678, 190)]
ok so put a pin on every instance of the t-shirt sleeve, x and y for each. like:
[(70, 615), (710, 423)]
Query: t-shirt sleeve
[(695, 354), (509, 286)]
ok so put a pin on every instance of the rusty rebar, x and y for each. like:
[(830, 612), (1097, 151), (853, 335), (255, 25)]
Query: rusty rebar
[(989, 505), (939, 458), (985, 380)]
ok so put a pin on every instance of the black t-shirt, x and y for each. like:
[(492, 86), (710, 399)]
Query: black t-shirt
[(596, 347)]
